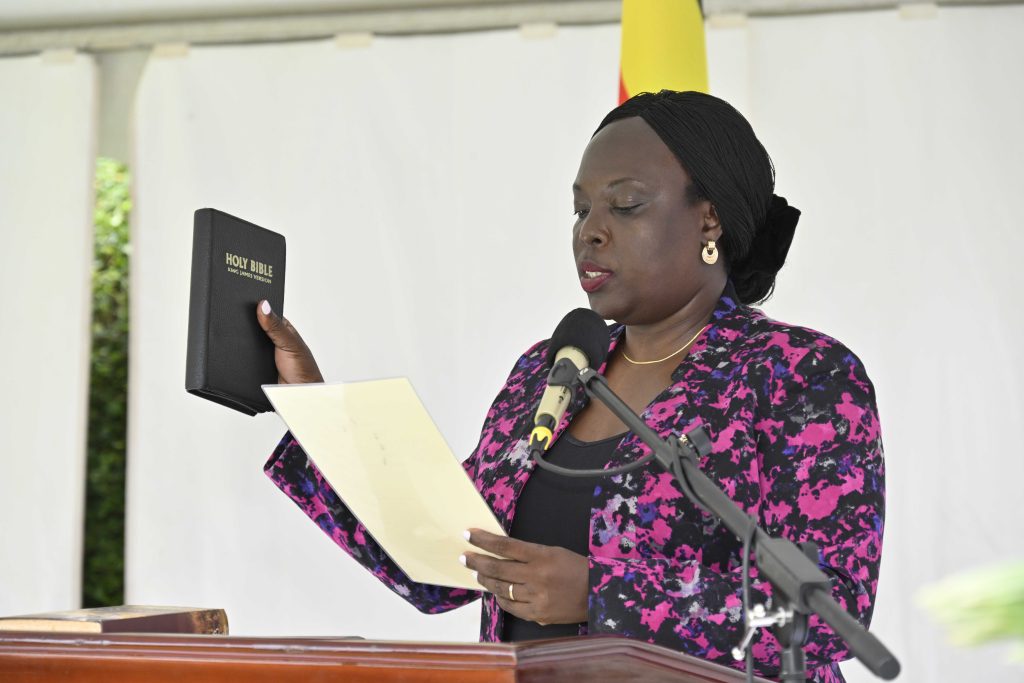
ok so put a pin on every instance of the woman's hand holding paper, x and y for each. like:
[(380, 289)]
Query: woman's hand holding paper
[(549, 584)]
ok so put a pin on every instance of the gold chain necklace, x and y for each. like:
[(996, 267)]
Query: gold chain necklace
[(674, 353)]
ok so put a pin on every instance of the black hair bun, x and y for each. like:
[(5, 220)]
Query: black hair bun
[(754, 274)]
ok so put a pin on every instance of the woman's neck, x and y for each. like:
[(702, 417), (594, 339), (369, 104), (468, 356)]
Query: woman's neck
[(653, 341)]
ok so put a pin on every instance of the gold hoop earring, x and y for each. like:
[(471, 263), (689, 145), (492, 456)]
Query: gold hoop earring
[(709, 253)]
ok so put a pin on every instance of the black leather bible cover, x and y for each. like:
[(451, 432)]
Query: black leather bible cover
[(235, 264)]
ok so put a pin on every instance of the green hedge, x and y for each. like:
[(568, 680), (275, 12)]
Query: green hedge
[(103, 556)]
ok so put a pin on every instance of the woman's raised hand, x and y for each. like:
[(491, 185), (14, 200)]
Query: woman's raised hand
[(295, 362)]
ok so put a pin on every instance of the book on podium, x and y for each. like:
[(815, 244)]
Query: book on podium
[(122, 619)]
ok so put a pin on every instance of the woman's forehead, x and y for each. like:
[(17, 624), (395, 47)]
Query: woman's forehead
[(628, 148)]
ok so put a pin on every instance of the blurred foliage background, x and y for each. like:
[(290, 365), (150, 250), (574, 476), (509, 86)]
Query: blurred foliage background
[(103, 557), (983, 605)]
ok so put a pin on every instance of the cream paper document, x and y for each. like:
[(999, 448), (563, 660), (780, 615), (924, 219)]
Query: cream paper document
[(381, 452)]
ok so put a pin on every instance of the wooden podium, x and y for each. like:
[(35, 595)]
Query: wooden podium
[(149, 658)]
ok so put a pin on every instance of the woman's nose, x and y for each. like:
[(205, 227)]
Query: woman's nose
[(592, 232)]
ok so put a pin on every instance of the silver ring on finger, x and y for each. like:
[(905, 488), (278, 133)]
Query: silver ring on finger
[(511, 594)]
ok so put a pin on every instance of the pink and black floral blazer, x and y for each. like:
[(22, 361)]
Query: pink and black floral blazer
[(797, 445)]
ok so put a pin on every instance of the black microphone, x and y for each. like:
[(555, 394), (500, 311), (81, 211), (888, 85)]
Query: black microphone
[(583, 338)]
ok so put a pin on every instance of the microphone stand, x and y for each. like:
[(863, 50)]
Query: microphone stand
[(801, 587)]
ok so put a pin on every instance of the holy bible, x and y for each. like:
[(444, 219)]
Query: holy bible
[(235, 264), (123, 619)]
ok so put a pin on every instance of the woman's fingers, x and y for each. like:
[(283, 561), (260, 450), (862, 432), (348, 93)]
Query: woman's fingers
[(520, 591), (277, 328), (507, 571), (503, 546), (519, 599), (295, 362)]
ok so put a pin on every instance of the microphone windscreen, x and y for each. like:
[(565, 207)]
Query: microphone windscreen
[(585, 330)]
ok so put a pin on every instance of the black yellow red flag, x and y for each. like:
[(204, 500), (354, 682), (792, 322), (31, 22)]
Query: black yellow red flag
[(662, 47)]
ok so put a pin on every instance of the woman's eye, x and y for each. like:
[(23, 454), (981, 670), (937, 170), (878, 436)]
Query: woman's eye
[(580, 213), (626, 209)]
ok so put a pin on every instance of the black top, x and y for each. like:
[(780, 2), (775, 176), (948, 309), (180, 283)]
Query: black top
[(555, 510)]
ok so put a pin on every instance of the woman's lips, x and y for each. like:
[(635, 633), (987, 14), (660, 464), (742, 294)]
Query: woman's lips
[(593, 277), (592, 284)]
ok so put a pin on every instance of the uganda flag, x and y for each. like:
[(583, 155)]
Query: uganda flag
[(662, 47)]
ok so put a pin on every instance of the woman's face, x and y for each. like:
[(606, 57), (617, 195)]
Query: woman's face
[(637, 239)]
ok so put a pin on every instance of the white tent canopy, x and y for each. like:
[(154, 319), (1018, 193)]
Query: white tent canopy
[(124, 24)]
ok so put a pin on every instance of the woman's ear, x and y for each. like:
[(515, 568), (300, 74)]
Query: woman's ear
[(712, 229)]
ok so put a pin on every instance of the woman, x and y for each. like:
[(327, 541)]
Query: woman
[(677, 231)]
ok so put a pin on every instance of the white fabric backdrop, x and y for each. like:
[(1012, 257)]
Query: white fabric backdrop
[(423, 184), (47, 158), (901, 141)]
